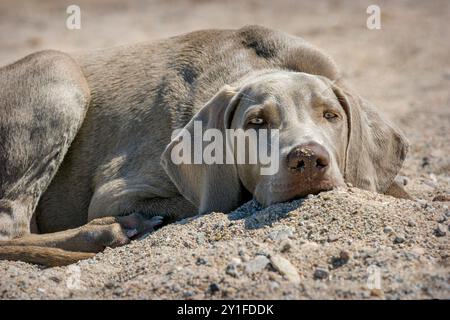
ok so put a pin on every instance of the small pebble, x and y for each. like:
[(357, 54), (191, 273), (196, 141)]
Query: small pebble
[(285, 267), (326, 197), (388, 229), (345, 255), (274, 285), (418, 251), (411, 223), (232, 268), (285, 245), (118, 291), (321, 274), (333, 237), (232, 271), (399, 239), (213, 288), (281, 234), (257, 264), (200, 238), (440, 231), (201, 261)]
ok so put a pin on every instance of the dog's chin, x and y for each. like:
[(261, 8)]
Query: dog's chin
[(288, 192)]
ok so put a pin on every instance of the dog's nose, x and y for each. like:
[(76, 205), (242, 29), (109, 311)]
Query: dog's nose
[(310, 158)]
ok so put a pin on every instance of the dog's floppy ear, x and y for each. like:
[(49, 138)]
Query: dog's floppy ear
[(210, 187), (376, 149)]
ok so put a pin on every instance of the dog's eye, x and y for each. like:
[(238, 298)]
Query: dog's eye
[(329, 115), (257, 121)]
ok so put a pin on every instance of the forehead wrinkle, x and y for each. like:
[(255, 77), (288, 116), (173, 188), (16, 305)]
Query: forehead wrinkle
[(268, 109), (272, 111), (247, 97), (255, 109), (286, 90), (320, 99)]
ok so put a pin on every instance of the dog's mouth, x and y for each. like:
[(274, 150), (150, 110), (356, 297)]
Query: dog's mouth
[(282, 192), (300, 191)]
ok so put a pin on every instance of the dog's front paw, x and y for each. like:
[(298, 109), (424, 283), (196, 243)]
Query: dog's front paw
[(116, 231), (138, 226), (101, 233)]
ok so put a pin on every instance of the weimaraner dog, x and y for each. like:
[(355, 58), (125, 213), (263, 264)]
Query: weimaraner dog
[(85, 139)]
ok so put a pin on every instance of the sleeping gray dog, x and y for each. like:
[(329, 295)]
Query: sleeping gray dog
[(85, 139)]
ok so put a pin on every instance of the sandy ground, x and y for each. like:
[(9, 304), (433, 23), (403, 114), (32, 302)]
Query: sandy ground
[(346, 243)]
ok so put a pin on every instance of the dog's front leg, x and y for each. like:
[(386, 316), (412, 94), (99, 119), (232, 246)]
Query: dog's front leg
[(94, 236), (69, 246)]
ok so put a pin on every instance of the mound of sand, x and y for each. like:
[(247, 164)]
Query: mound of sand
[(345, 243)]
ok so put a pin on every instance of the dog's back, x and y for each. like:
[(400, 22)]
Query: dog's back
[(141, 93)]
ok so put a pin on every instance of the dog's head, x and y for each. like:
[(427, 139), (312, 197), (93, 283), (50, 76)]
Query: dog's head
[(325, 135)]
